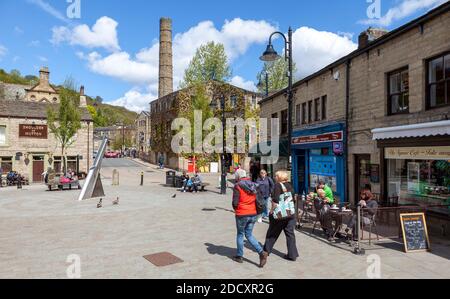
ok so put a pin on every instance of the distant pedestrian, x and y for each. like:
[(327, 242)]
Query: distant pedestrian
[(282, 192), (196, 182), (244, 205), (265, 189), (161, 161)]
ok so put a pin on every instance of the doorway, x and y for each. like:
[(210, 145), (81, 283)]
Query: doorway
[(38, 168), (362, 173)]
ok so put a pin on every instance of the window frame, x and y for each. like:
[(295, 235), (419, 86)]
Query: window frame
[(317, 109), (6, 135), (310, 108), (400, 93), (304, 116), (323, 107), (298, 114), (428, 85), (284, 122)]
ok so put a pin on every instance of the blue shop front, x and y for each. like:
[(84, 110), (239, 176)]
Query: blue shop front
[(318, 154)]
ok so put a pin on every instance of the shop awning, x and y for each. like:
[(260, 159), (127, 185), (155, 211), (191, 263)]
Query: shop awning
[(417, 130)]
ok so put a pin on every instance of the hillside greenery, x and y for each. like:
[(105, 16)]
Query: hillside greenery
[(104, 115)]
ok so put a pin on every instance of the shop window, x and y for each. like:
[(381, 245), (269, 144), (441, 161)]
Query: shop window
[(304, 119), (2, 135), (398, 92), (324, 107), (72, 163), (298, 115), (6, 165), (420, 182), (310, 117), (316, 109), (284, 122), (438, 82)]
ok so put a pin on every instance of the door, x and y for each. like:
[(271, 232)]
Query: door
[(301, 174), (362, 173), (38, 168)]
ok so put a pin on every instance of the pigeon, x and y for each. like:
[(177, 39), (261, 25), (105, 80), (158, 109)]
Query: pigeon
[(99, 205), (116, 202), (173, 196)]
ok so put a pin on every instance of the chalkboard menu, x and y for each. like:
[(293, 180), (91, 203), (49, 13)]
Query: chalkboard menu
[(415, 234)]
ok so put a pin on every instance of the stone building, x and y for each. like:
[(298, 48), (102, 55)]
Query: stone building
[(378, 117), (143, 134), (26, 144), (171, 105)]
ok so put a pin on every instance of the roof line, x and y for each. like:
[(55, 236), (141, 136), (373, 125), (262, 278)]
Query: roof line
[(385, 38)]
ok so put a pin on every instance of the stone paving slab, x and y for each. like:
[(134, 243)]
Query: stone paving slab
[(40, 229)]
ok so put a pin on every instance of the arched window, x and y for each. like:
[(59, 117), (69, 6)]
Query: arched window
[(55, 100), (44, 100), (33, 98)]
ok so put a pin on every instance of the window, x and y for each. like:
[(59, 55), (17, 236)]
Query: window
[(298, 114), (438, 87), (284, 122), (233, 101), (398, 92), (316, 109), (5, 165), (310, 118), (324, 107), (304, 113), (2, 135)]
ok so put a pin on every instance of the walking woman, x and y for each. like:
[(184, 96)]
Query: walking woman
[(286, 224), (266, 187)]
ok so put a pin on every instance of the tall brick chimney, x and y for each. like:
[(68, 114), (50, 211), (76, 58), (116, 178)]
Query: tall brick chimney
[(165, 57), (44, 75)]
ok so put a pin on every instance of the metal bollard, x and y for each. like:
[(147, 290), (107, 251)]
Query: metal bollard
[(19, 183), (358, 250), (142, 178)]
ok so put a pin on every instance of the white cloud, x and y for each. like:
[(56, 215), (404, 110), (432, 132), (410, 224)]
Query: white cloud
[(402, 10), (42, 58), (18, 30), (242, 83), (135, 100), (50, 10), (3, 51), (34, 43), (313, 50), (102, 35)]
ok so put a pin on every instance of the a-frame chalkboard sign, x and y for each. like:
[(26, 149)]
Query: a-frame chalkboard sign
[(415, 232)]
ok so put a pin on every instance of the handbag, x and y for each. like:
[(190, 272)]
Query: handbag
[(285, 207)]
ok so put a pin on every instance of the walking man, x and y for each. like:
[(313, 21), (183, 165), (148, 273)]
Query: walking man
[(244, 205)]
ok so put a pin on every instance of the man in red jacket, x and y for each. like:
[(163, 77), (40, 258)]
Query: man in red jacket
[(244, 204)]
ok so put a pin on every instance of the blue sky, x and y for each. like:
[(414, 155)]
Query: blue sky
[(112, 49)]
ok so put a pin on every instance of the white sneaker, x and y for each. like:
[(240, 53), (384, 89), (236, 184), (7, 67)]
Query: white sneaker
[(260, 220)]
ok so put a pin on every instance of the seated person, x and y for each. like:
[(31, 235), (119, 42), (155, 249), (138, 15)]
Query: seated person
[(196, 182), (186, 180), (370, 206), (323, 206)]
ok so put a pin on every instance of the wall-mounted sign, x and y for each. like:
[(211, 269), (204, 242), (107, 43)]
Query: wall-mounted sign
[(33, 131), (419, 153), (319, 138), (338, 148)]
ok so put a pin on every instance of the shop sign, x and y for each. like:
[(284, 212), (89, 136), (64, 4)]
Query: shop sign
[(419, 153), (319, 138), (33, 131)]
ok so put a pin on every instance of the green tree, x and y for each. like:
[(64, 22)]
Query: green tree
[(210, 62), (65, 122), (277, 71)]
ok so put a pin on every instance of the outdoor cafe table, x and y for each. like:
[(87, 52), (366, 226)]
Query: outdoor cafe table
[(340, 217)]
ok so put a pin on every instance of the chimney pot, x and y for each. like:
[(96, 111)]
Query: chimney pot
[(369, 36), (82, 90)]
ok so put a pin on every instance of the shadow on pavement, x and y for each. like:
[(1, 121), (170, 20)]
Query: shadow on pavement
[(225, 251)]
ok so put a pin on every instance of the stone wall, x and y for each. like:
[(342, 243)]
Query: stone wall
[(46, 147)]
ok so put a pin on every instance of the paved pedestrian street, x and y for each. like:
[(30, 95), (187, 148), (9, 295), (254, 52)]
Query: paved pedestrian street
[(41, 229)]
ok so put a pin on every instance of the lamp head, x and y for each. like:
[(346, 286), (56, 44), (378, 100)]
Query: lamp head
[(270, 54)]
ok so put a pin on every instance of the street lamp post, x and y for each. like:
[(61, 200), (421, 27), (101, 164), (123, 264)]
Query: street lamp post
[(264, 85), (271, 55), (223, 180)]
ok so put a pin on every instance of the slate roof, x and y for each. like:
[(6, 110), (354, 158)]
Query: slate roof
[(32, 110)]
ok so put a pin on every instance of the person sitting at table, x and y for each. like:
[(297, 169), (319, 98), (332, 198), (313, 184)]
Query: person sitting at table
[(323, 203), (368, 203)]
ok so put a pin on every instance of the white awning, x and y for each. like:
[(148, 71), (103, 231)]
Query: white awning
[(417, 130)]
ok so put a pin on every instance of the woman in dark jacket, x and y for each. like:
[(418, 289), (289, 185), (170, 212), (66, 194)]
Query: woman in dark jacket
[(265, 189), (277, 226)]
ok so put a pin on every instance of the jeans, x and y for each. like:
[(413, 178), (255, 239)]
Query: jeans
[(266, 211), (244, 227)]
